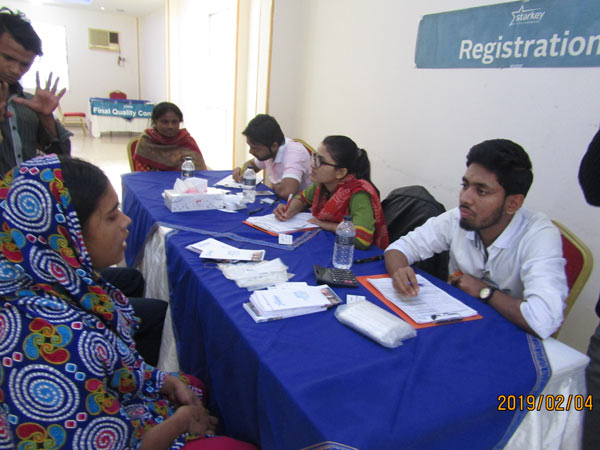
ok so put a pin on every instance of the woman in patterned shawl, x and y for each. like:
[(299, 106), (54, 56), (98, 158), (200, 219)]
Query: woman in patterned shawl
[(70, 375), (342, 175), (165, 145)]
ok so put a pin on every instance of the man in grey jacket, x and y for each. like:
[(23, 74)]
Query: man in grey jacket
[(26, 121)]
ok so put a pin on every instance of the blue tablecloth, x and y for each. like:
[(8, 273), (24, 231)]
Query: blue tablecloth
[(301, 381)]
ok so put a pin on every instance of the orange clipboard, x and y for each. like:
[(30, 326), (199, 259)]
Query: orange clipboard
[(363, 280)]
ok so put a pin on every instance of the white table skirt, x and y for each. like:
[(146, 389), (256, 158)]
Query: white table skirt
[(547, 430), (103, 124)]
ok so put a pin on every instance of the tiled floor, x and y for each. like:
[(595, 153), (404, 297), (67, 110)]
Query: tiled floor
[(108, 152)]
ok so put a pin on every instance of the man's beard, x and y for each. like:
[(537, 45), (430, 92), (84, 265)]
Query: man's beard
[(493, 220), (268, 156)]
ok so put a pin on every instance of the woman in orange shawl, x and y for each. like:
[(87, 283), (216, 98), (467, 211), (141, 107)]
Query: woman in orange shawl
[(165, 145)]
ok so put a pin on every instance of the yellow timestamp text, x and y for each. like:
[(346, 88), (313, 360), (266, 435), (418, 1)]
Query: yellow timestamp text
[(546, 402)]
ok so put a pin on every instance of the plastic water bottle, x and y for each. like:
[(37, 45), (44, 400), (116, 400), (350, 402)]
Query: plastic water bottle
[(187, 168), (249, 182), (343, 250)]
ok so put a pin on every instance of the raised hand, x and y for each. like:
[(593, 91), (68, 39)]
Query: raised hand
[(45, 100)]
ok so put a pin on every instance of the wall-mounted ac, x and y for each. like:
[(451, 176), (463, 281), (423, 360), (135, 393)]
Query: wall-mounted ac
[(103, 39)]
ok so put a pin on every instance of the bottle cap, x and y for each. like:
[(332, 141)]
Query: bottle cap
[(348, 218)]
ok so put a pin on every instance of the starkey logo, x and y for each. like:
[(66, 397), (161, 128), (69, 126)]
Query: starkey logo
[(524, 16)]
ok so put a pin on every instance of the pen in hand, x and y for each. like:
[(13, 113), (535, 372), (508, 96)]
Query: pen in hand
[(289, 200)]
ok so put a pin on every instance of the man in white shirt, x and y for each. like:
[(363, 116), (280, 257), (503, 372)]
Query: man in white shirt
[(503, 254), (287, 162)]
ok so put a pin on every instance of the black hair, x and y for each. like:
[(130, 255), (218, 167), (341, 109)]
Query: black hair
[(165, 107), (265, 130), (507, 160), (19, 27), (347, 155), (86, 184)]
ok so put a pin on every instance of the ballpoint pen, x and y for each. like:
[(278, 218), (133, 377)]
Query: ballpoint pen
[(370, 259), (254, 211), (446, 317)]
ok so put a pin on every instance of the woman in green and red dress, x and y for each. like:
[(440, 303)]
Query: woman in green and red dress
[(342, 186)]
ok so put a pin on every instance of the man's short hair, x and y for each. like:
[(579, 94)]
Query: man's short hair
[(20, 29), (507, 160), (265, 130)]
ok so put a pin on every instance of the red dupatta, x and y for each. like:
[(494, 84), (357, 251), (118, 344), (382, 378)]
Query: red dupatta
[(334, 209), (162, 153)]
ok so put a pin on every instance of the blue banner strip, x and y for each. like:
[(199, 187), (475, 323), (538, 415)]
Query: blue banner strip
[(128, 109), (536, 33)]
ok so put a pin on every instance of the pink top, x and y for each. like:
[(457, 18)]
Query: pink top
[(292, 161)]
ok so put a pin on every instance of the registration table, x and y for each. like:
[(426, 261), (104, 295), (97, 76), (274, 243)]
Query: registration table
[(309, 381), (114, 115)]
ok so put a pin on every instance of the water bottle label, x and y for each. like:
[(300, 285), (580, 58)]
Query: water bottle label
[(344, 240), (249, 182)]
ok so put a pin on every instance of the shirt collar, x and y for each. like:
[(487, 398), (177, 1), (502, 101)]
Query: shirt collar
[(279, 156)]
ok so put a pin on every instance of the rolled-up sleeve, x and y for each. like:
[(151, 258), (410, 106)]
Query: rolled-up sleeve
[(60, 144), (544, 281)]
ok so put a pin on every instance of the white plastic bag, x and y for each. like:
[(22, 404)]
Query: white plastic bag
[(374, 322)]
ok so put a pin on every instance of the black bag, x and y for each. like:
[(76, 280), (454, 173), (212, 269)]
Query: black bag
[(407, 208)]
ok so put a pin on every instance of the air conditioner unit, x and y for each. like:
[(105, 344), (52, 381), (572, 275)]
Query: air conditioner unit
[(103, 39)]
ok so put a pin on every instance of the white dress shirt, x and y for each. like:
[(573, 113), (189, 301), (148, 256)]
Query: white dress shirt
[(525, 261)]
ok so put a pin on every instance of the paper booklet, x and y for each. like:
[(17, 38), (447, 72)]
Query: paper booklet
[(289, 300), (229, 182), (431, 305), (212, 249), (271, 224)]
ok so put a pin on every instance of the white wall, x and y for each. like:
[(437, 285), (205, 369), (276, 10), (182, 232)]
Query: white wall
[(347, 67), (153, 56), (92, 73)]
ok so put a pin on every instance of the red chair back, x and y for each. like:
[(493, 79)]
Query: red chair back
[(579, 262), (118, 95), (574, 259)]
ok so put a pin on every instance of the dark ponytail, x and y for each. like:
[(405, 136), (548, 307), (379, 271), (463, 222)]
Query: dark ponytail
[(347, 155)]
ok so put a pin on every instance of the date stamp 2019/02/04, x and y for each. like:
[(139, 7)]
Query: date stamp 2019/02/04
[(546, 402)]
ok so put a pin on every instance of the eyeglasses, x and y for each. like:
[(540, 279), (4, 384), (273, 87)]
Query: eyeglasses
[(318, 161)]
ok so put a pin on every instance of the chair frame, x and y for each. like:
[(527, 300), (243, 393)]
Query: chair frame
[(129, 152), (586, 268), (73, 120), (306, 145)]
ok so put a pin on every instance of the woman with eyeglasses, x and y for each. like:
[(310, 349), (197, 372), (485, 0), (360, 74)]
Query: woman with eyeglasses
[(341, 175)]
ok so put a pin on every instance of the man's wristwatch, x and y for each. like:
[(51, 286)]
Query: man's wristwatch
[(486, 294)]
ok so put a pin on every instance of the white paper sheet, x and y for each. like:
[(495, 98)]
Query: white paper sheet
[(229, 182), (270, 223), (212, 249), (432, 304)]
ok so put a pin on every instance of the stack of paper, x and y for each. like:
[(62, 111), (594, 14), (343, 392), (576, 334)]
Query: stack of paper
[(432, 304), (271, 224), (289, 300), (259, 275), (212, 249)]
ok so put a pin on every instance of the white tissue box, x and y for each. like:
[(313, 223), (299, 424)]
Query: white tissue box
[(178, 202)]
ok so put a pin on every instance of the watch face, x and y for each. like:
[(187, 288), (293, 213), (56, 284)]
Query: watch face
[(485, 293)]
